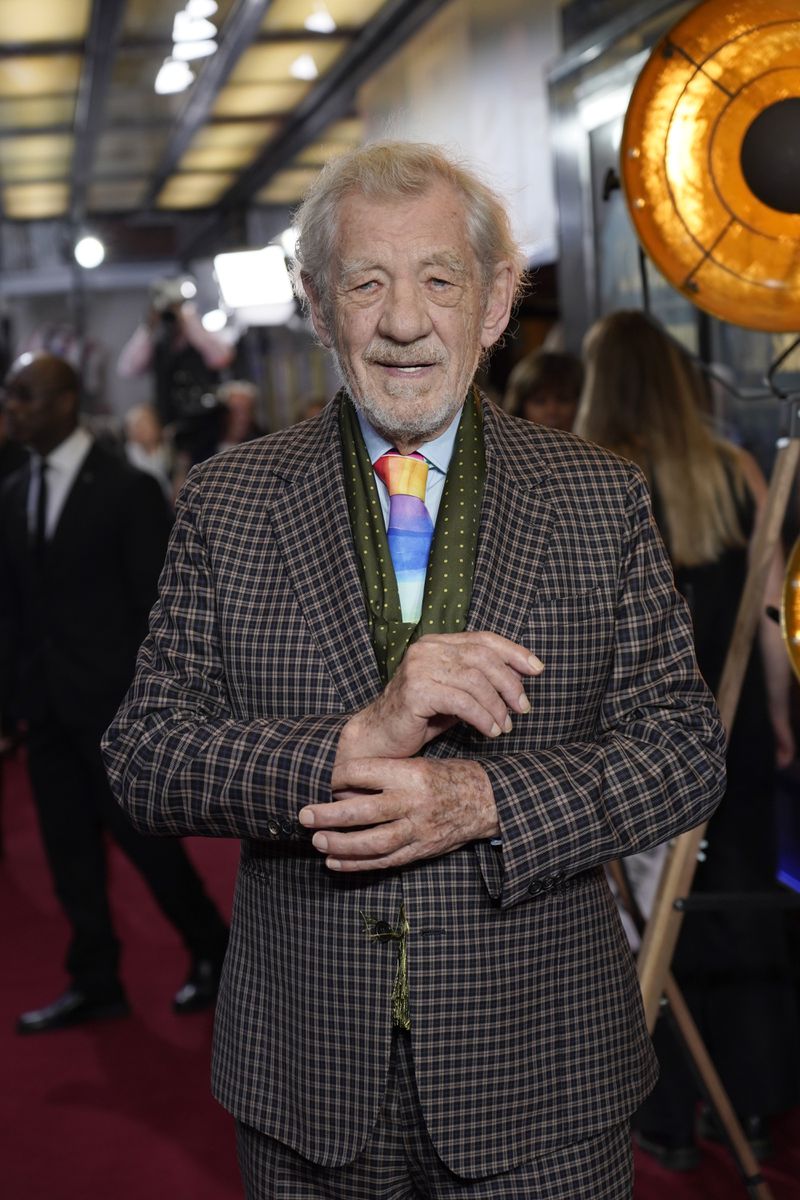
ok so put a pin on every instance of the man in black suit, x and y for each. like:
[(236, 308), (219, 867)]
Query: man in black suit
[(82, 539)]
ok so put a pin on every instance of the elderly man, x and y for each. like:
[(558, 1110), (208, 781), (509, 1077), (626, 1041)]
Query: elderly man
[(427, 662), (82, 539)]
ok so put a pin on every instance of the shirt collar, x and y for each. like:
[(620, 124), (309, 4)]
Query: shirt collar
[(68, 454), (438, 452)]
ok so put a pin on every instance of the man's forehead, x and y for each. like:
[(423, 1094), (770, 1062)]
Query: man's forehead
[(34, 377), (430, 226), (451, 259)]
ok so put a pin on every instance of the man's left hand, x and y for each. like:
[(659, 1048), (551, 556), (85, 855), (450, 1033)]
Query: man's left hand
[(388, 812)]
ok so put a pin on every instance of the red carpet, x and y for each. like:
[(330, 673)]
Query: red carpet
[(123, 1110)]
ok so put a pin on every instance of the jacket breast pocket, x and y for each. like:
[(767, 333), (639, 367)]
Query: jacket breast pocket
[(573, 635)]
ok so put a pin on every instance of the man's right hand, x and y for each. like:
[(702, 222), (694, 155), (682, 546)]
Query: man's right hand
[(443, 678)]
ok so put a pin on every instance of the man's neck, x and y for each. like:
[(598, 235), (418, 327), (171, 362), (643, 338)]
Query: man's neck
[(46, 445)]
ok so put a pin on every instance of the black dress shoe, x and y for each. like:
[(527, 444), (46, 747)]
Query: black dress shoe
[(73, 1008), (201, 986), (754, 1127), (673, 1155)]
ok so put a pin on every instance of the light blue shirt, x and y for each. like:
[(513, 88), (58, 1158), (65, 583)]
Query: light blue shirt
[(437, 454)]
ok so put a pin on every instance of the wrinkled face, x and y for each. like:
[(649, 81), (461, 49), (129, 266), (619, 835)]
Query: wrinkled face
[(409, 317)]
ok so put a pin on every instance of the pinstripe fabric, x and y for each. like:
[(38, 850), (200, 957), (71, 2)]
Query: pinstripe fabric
[(527, 1026), (399, 1161)]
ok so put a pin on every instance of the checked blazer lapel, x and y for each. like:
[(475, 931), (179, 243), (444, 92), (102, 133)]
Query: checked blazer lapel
[(514, 535), (312, 529)]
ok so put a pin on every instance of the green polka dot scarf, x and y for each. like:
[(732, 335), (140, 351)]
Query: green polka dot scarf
[(448, 583)]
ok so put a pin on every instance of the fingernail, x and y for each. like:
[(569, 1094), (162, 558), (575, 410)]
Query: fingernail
[(524, 703), (508, 726), (535, 662), (333, 864), (305, 816), (319, 841), (495, 731)]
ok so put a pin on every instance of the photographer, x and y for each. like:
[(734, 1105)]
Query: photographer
[(185, 360)]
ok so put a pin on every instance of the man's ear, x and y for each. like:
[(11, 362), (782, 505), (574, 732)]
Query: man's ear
[(318, 320), (498, 305)]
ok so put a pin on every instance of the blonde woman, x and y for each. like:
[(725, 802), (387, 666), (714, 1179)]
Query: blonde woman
[(644, 399)]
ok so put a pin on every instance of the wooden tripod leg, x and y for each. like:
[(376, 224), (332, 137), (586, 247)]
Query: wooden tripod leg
[(696, 1049), (716, 1093), (663, 927)]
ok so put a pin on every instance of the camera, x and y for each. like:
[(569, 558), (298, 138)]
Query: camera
[(167, 293)]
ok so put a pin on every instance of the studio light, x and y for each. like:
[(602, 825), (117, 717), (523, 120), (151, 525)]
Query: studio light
[(256, 284), (201, 9), (214, 321), (320, 20), (304, 67), (173, 76), (288, 241), (248, 277), (187, 51), (89, 252), (192, 29), (188, 289)]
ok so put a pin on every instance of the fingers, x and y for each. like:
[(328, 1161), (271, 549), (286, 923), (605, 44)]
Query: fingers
[(350, 809), (518, 657), (358, 832), (475, 677), (370, 849)]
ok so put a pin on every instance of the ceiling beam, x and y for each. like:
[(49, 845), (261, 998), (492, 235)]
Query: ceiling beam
[(105, 25), (329, 101), (238, 32), (152, 44)]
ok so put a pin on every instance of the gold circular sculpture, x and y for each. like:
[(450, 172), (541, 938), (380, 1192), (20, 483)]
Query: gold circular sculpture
[(711, 160), (790, 608)]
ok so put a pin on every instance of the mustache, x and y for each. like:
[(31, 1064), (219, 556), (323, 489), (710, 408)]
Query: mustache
[(395, 356)]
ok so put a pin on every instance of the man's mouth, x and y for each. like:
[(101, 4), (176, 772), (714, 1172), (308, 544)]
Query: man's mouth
[(406, 368)]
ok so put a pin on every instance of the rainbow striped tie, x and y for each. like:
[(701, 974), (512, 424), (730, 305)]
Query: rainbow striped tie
[(410, 529)]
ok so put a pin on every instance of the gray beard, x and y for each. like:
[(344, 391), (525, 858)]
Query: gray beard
[(397, 424)]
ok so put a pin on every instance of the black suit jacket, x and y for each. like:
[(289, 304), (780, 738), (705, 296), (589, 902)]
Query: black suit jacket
[(71, 628)]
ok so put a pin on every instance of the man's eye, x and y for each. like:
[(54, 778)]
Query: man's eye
[(438, 283), (367, 286)]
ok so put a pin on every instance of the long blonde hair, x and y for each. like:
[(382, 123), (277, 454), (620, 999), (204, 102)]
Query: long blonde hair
[(644, 399)]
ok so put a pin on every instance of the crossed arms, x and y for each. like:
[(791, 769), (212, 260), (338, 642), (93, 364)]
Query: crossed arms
[(649, 764)]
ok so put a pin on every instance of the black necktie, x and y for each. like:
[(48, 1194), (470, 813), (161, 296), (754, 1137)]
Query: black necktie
[(40, 531)]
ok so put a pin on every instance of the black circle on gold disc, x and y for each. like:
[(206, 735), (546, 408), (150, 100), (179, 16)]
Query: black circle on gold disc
[(770, 156)]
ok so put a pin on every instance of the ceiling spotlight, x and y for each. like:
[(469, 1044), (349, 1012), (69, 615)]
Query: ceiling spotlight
[(173, 76), (191, 29), (214, 321), (304, 67), (89, 252), (320, 20), (187, 51), (201, 8), (188, 289)]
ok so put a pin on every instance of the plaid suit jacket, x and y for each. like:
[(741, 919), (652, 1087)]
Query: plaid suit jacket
[(527, 1024)]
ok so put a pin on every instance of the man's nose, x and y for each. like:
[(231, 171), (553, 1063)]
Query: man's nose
[(404, 317)]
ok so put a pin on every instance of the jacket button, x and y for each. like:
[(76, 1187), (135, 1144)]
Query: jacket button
[(535, 888), (274, 828)]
